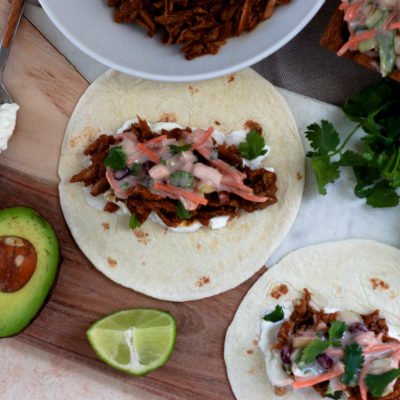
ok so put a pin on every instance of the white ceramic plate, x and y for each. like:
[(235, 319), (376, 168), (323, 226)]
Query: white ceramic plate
[(126, 47)]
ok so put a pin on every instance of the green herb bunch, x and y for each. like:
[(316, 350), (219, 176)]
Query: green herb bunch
[(375, 109)]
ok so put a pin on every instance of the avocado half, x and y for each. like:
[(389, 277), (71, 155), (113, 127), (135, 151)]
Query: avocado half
[(18, 307)]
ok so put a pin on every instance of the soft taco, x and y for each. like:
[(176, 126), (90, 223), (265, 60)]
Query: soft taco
[(180, 191), (322, 323)]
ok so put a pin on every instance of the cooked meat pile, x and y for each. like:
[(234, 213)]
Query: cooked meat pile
[(142, 201), (200, 26), (305, 317)]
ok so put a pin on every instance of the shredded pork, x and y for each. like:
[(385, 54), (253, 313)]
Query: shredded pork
[(142, 201), (199, 26)]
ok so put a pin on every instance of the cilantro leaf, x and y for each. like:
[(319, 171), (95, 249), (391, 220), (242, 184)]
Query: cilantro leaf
[(382, 195), (313, 349), (367, 101), (352, 159), (353, 360), (336, 331), (325, 171), (134, 222), (276, 315), (177, 149), (377, 383), (135, 168), (334, 395), (253, 146), (116, 158), (323, 138), (181, 211)]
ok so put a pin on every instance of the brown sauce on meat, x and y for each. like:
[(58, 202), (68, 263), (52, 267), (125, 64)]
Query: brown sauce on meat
[(199, 26), (142, 201)]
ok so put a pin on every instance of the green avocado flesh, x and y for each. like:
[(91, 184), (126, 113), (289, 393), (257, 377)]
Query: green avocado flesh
[(18, 308)]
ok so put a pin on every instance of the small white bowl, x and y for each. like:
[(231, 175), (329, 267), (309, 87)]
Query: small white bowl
[(90, 26)]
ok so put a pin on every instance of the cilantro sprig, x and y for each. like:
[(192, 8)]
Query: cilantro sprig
[(353, 360), (134, 222), (377, 383), (312, 350), (336, 332), (376, 166), (276, 315), (181, 211), (116, 158), (254, 145), (177, 149)]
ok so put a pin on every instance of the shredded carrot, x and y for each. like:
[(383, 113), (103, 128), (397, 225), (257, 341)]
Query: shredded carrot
[(251, 197), (361, 380), (155, 140), (381, 347), (334, 352), (355, 40), (302, 383), (352, 11), (181, 192), (153, 157), (396, 25), (113, 185), (390, 19), (204, 138), (234, 173), (228, 181)]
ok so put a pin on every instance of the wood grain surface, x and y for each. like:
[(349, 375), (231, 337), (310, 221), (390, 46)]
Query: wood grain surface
[(336, 35), (81, 295), (47, 87), (12, 22)]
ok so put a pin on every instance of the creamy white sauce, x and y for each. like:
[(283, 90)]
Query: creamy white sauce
[(8, 118), (268, 332), (215, 223)]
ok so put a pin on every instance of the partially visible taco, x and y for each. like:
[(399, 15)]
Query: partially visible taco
[(323, 323), (151, 258)]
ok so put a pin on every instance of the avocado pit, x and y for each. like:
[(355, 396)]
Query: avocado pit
[(18, 260)]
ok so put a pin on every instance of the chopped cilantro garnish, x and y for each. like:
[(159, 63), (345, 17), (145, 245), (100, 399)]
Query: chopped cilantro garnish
[(336, 331), (135, 168), (181, 211), (182, 179), (116, 158), (274, 316), (134, 222), (125, 186), (353, 360), (253, 146), (334, 395), (177, 149), (377, 383), (377, 166), (162, 161), (312, 350)]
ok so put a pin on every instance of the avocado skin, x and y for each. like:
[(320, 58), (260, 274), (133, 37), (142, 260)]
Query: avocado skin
[(18, 308)]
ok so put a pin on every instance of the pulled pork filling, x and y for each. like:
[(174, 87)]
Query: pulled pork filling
[(200, 26), (180, 174), (341, 354)]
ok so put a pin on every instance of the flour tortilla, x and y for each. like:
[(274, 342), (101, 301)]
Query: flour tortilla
[(353, 275), (153, 260)]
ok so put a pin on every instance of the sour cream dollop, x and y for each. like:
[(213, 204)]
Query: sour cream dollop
[(8, 118)]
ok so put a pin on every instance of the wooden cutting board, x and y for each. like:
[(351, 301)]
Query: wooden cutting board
[(47, 88)]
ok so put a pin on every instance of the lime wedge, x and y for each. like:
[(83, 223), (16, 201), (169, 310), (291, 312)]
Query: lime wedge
[(135, 341)]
